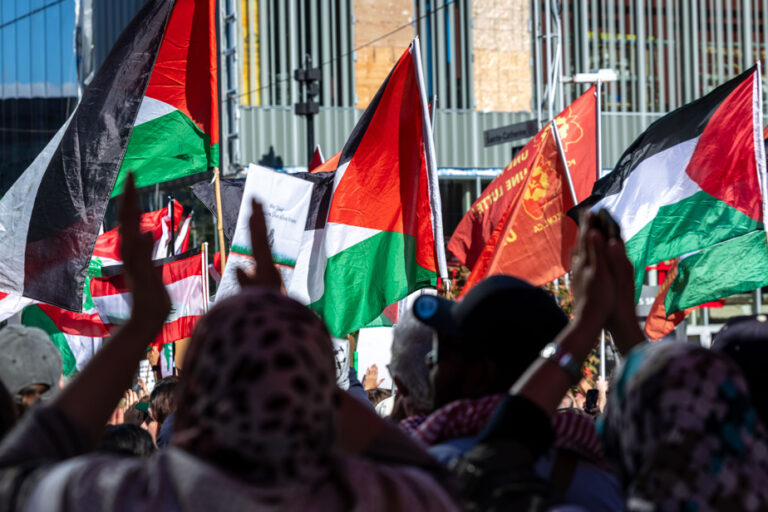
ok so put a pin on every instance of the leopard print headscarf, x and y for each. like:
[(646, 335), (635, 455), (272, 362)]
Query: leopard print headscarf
[(257, 393)]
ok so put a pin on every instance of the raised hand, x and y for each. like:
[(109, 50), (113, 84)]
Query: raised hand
[(371, 378), (151, 303), (265, 274)]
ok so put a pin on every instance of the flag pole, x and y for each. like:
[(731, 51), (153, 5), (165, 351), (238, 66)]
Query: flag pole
[(564, 161), (599, 165), (172, 245), (219, 216), (204, 265)]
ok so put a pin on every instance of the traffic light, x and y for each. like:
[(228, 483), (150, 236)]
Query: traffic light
[(309, 80)]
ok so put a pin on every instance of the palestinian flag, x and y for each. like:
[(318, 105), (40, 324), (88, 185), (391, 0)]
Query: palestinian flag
[(183, 278), (51, 215), (694, 184), (75, 350), (11, 304), (79, 335), (176, 133), (107, 250), (381, 238), (388, 317)]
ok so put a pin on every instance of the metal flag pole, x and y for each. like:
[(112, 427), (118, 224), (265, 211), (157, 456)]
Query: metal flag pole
[(599, 165), (204, 264), (172, 245), (219, 217), (563, 160), (602, 75)]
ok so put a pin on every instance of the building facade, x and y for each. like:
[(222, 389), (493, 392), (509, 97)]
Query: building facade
[(666, 54), (38, 79), (487, 63)]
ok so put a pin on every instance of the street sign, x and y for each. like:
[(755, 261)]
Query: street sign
[(509, 133), (647, 297)]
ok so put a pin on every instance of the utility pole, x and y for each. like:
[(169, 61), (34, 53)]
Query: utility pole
[(309, 82)]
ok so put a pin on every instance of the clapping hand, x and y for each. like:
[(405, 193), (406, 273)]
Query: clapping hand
[(594, 287)]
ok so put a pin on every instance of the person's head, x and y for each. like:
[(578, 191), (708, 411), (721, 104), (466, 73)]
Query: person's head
[(257, 396), (30, 364), (127, 439), (745, 340), (139, 413), (411, 341), (162, 400), (679, 422), (566, 402), (376, 395), (485, 342)]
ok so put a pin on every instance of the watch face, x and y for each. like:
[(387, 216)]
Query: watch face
[(549, 350)]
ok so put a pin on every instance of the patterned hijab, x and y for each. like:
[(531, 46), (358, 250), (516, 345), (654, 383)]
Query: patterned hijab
[(681, 428), (257, 395)]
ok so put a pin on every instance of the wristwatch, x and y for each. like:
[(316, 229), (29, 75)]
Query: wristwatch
[(563, 359)]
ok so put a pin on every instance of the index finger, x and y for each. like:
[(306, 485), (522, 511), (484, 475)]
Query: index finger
[(129, 208), (258, 227)]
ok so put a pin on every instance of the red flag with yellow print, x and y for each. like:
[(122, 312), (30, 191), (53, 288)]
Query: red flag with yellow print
[(534, 238), (576, 126)]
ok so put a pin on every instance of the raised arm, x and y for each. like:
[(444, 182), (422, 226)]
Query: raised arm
[(91, 397)]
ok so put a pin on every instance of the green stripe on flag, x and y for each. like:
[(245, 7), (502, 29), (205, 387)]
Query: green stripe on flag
[(33, 316), (164, 149), (278, 259), (686, 226), (362, 280), (381, 321), (734, 266)]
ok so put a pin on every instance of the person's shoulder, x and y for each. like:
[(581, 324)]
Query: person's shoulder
[(95, 479), (393, 487)]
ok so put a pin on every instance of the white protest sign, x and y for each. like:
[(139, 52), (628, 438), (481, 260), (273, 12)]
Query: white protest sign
[(285, 200), (374, 346)]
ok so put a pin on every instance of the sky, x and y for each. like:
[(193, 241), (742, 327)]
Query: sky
[(37, 57)]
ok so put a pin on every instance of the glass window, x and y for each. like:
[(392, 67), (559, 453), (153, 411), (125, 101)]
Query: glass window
[(38, 79)]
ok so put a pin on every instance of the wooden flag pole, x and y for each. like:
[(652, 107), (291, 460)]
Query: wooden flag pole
[(219, 217)]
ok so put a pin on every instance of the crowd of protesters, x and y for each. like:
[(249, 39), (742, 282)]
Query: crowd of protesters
[(489, 411)]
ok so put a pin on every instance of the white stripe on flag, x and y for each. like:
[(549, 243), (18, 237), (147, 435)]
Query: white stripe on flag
[(657, 181), (151, 109), (12, 304), (183, 234), (186, 300)]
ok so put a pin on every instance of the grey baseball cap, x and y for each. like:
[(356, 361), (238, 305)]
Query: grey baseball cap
[(27, 357)]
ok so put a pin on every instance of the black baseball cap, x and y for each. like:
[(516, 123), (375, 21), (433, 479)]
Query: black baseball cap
[(501, 315)]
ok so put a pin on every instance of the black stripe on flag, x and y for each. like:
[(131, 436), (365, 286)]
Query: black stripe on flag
[(320, 201), (358, 132), (685, 123), (74, 191)]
